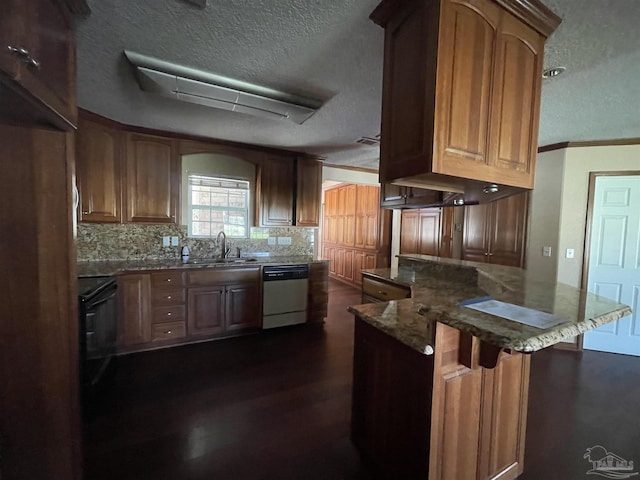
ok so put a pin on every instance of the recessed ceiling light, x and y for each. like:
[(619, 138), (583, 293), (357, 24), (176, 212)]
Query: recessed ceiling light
[(552, 72)]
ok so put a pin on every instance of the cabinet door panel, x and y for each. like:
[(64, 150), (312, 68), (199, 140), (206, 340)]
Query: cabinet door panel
[(508, 230), (516, 101), (308, 191), (242, 310), (410, 234), (98, 157), (467, 44), (134, 293), (475, 243), (206, 310), (429, 232), (504, 427), (275, 196), (152, 179), (44, 94)]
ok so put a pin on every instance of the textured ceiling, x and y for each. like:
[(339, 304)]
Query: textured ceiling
[(332, 51)]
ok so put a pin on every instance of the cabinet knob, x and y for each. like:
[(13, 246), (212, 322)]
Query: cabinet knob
[(486, 254), (168, 332), (85, 213), (169, 314), (168, 279), (381, 292), (168, 297), (25, 56)]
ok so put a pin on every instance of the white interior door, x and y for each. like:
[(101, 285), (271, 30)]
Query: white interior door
[(614, 261)]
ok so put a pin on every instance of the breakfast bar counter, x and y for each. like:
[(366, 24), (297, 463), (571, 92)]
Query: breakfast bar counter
[(440, 391)]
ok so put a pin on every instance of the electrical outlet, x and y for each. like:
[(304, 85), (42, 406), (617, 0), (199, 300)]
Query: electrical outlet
[(166, 241), (284, 240), (570, 253), (546, 251), (271, 241), (174, 241)]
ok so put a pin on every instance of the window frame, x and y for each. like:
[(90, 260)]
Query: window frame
[(220, 178)]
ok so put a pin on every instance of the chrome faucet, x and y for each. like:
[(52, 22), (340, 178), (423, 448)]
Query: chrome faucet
[(223, 244)]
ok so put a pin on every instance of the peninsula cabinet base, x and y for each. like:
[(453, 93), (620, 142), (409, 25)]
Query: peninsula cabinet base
[(440, 416)]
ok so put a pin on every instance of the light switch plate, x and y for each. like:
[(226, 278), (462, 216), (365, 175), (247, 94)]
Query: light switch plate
[(546, 251), (174, 241), (271, 241), (284, 240), (166, 241), (570, 253)]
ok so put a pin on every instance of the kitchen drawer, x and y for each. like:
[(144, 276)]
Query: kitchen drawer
[(168, 314), (161, 296), (168, 331), (173, 278), (223, 276), (383, 291)]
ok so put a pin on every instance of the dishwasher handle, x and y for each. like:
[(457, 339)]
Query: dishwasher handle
[(284, 272)]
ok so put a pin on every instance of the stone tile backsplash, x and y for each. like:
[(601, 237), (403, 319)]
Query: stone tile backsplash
[(103, 241)]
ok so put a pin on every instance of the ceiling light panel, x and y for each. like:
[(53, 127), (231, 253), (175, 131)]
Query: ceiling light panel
[(159, 77)]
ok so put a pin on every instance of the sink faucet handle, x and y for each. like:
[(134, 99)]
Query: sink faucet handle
[(226, 252), (237, 252)]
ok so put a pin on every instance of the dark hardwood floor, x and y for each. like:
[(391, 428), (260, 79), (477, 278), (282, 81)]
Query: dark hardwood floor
[(277, 406)]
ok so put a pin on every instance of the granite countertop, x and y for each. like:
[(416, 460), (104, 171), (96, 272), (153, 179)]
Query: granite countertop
[(114, 267), (439, 284)]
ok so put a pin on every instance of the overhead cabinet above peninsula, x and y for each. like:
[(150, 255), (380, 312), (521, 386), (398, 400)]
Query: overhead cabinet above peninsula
[(461, 93)]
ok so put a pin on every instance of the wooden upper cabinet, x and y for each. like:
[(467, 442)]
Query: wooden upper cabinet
[(152, 179), (421, 231), (37, 60), (509, 230), (516, 99), (274, 199), (98, 170), (465, 60), (410, 231), (461, 91), (496, 232), (308, 192)]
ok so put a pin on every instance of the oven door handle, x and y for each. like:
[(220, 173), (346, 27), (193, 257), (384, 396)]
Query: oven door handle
[(94, 304)]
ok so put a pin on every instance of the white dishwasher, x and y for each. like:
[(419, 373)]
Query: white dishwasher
[(285, 289)]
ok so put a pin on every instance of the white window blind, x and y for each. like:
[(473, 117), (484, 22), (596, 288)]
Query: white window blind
[(218, 204)]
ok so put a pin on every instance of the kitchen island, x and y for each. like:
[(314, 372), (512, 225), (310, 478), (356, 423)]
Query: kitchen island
[(440, 391)]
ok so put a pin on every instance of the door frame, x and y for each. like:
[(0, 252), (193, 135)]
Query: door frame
[(589, 227)]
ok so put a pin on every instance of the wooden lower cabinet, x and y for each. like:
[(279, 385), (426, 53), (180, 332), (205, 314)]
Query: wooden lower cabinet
[(318, 292), (362, 261), (440, 416), (134, 326), (206, 310), (171, 307), (375, 289), (242, 310)]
